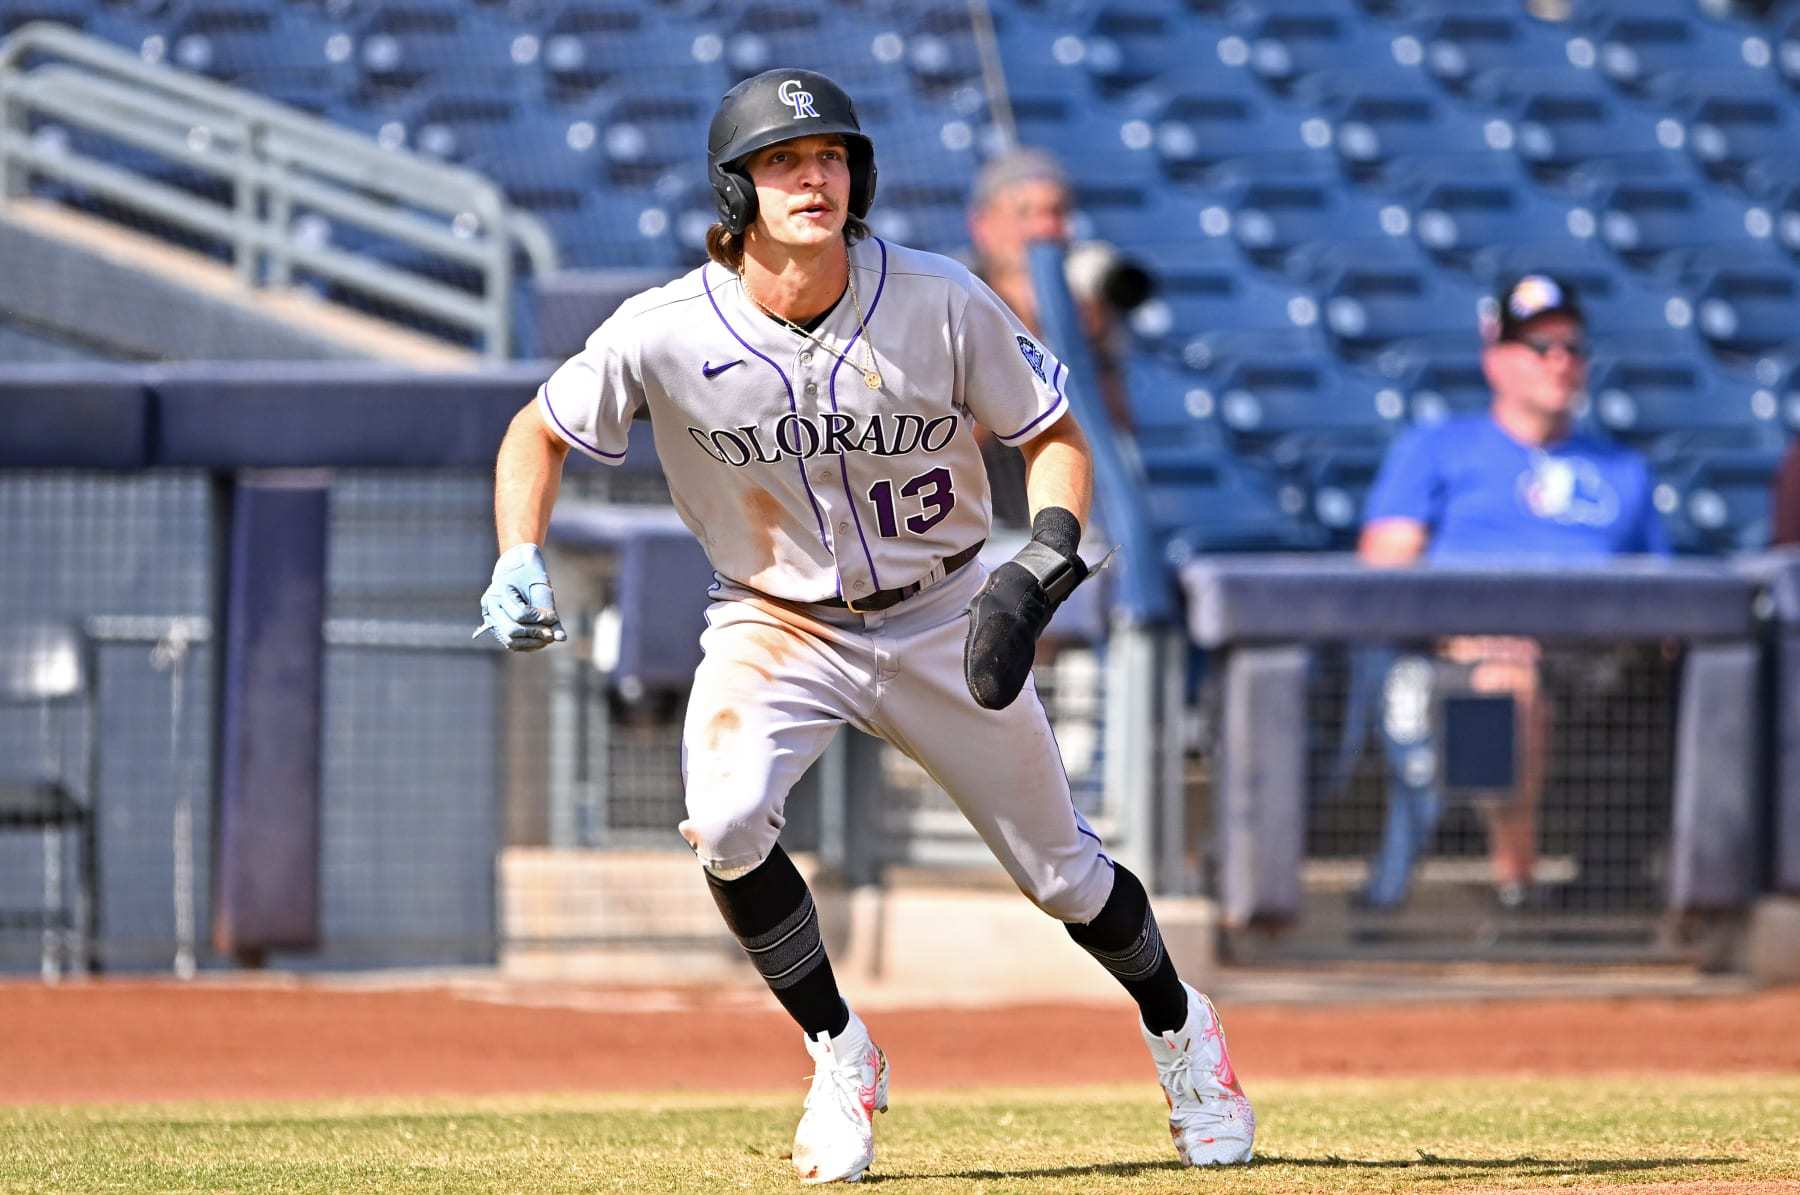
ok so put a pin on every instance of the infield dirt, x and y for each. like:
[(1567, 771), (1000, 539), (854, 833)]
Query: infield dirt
[(117, 1040)]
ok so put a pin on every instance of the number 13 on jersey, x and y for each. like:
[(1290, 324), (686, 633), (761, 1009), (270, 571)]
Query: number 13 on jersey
[(929, 492)]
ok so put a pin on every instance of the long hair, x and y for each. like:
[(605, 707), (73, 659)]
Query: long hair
[(727, 247)]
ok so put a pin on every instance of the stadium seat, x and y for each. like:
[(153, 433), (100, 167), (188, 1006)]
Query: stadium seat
[(1375, 120), (1559, 121), (1199, 297), (1124, 46), (401, 45), (1456, 46), (1731, 120), (1650, 223), (1095, 142), (1437, 377), (1458, 207), (1283, 45), (1664, 400), (1370, 295), (1741, 308), (1283, 409), (1718, 502), (1196, 130), (584, 46), (1334, 479), (644, 135), (1223, 504), (1270, 214), (1634, 47)]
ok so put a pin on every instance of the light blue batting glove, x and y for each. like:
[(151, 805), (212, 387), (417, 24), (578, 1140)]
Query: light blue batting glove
[(519, 607)]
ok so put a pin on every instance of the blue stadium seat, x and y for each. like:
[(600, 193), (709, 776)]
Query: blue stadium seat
[(1373, 294), (1287, 408), (1198, 297), (930, 216), (936, 46), (1200, 128), (645, 135), (1664, 400), (1651, 223), (1732, 120), (1460, 207), (1455, 45), (405, 43), (1634, 46), (1335, 478), (1786, 49), (1126, 45), (544, 165), (1095, 142), (1173, 409), (1717, 502), (1224, 504), (586, 45), (1283, 45), (1437, 377), (1741, 308), (1559, 121), (1272, 213), (1376, 120), (76, 14)]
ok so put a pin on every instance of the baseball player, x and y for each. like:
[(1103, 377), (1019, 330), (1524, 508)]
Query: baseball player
[(813, 392)]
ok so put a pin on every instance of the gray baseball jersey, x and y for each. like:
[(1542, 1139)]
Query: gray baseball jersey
[(804, 485), (799, 480)]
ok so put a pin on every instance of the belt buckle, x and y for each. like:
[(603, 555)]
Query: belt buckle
[(850, 605)]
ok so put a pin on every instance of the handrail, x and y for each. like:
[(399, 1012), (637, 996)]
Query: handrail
[(276, 160)]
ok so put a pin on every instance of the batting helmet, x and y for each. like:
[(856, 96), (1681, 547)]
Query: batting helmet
[(776, 106)]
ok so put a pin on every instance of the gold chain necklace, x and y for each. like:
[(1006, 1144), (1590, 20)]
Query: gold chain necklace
[(871, 375)]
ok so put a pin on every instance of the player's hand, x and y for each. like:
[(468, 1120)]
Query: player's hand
[(519, 607), (1012, 610)]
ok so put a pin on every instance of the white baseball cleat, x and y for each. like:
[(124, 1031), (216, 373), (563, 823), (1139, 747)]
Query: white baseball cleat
[(836, 1138), (1209, 1117)]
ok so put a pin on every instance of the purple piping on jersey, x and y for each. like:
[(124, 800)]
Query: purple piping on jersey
[(831, 389), (792, 406), (1056, 380), (544, 396), (1053, 408), (1081, 826)]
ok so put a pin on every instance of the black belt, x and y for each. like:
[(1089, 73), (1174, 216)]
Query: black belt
[(883, 598)]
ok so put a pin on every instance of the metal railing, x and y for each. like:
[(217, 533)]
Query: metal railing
[(277, 162)]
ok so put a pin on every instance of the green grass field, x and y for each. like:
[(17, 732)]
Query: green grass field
[(1721, 1134)]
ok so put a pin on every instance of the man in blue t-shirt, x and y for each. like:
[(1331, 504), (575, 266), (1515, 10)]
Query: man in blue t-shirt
[(1516, 480)]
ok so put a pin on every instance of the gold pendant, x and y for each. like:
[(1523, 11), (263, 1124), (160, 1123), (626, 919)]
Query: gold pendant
[(872, 380)]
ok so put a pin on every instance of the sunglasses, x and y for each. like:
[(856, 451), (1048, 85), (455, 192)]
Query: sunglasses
[(1575, 346)]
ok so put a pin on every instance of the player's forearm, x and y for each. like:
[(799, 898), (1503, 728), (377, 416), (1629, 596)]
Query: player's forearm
[(1059, 471), (527, 475)]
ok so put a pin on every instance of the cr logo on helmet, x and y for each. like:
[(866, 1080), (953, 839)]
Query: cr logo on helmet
[(794, 95)]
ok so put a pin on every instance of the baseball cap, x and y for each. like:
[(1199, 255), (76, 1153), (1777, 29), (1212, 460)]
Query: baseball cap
[(1524, 299), (1013, 167)]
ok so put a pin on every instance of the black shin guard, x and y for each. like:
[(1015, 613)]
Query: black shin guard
[(1124, 938), (771, 913)]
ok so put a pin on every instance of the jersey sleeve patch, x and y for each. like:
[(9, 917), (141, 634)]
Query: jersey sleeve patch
[(1034, 357)]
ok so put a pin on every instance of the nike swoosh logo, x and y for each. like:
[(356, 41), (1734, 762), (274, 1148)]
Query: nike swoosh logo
[(713, 371)]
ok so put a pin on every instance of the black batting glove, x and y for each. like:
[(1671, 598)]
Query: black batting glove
[(1015, 605)]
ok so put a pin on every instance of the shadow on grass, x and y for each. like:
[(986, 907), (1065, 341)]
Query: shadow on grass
[(1527, 1165)]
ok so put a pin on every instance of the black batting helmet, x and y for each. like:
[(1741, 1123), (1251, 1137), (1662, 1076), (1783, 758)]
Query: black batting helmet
[(776, 106)]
